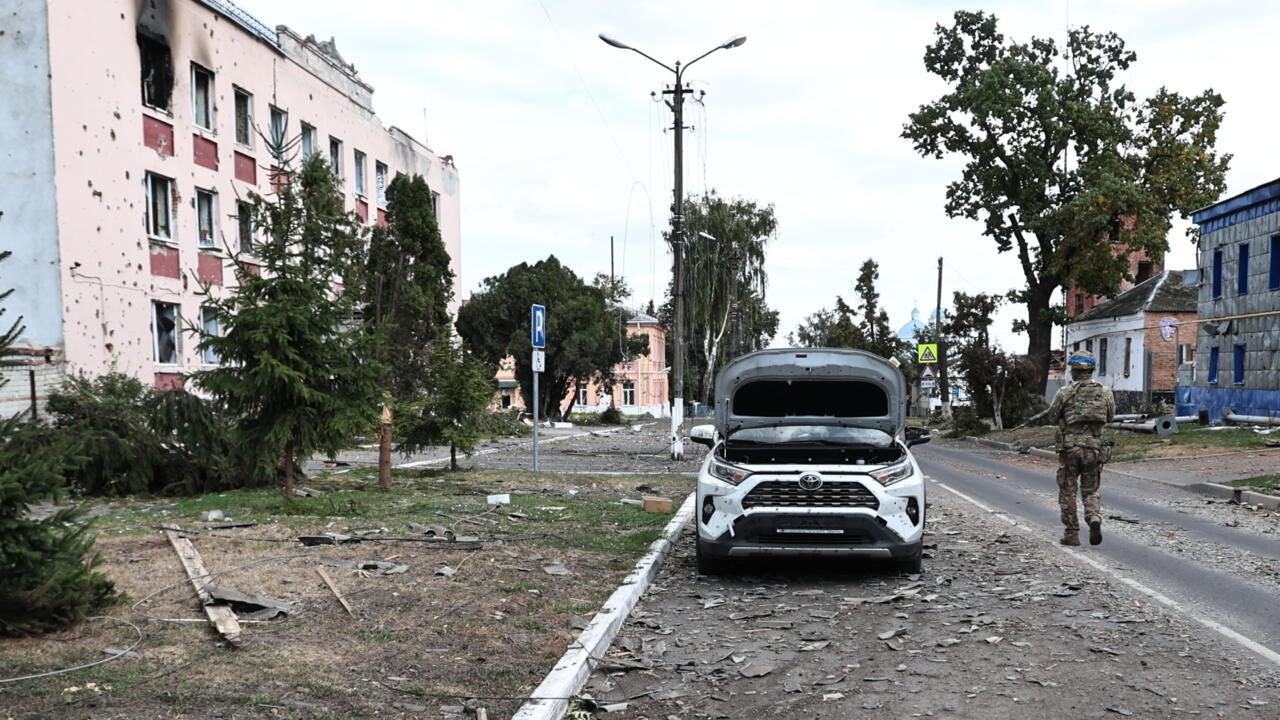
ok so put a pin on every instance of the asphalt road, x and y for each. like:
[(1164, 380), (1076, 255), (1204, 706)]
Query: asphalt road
[(1202, 590)]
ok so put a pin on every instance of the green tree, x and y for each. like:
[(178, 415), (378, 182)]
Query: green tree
[(47, 576), (1063, 164), (864, 327), (453, 413), (725, 283), (586, 337), (298, 375), (408, 286)]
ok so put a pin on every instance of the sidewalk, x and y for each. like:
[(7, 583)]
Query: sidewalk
[(1193, 470)]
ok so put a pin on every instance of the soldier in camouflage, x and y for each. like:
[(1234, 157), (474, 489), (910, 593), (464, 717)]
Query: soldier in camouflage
[(1080, 410)]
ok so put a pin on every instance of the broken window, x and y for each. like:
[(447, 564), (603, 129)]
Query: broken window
[(1079, 303), (164, 332), (279, 124), (202, 97), (628, 392), (244, 118), (358, 169), (380, 180), (159, 206), (157, 73), (335, 156), (506, 399), (308, 141), (244, 226), (209, 323), (206, 217), (582, 393), (1144, 271)]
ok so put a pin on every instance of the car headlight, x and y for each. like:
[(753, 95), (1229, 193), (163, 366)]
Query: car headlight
[(731, 474), (893, 473)]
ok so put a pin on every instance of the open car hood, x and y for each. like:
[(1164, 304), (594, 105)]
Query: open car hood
[(810, 386)]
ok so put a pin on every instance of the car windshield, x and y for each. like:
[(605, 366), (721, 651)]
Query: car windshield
[(816, 434)]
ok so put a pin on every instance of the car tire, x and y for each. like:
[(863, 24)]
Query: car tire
[(914, 562), (707, 565)]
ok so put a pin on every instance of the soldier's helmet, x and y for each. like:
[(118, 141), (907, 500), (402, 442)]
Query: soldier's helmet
[(1081, 361)]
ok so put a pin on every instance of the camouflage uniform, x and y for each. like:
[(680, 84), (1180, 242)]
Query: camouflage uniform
[(1080, 410)]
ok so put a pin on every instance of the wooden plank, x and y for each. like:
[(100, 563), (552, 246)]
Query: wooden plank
[(325, 577), (221, 615)]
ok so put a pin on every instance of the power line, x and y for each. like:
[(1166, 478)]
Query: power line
[(587, 90)]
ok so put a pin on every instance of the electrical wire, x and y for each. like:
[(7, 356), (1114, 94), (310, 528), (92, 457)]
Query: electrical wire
[(137, 641)]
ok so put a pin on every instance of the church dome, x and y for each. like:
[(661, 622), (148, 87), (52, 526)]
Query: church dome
[(908, 331)]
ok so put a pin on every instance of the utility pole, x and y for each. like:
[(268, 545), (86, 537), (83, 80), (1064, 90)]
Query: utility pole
[(676, 103), (943, 389)]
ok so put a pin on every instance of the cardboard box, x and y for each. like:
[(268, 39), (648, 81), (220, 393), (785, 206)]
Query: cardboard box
[(656, 504)]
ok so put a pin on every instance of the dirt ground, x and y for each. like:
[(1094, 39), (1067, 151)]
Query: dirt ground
[(463, 626), (1000, 625), (1130, 446)]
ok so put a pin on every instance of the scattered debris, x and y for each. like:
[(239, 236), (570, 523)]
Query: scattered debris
[(502, 499), (556, 569), (307, 492), (230, 525), (655, 504), (753, 670), (116, 652), (213, 515), (247, 606), (219, 614), (380, 567), (446, 571), (333, 588)]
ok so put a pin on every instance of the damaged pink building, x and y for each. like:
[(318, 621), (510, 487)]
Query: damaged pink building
[(132, 132)]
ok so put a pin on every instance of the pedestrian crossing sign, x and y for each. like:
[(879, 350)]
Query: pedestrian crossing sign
[(927, 354)]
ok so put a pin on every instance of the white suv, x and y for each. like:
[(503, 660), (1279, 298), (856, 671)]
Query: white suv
[(809, 457)]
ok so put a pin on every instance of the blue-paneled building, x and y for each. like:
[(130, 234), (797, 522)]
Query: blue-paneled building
[(1237, 363)]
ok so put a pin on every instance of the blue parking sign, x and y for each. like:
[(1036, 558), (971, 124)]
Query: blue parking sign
[(538, 326)]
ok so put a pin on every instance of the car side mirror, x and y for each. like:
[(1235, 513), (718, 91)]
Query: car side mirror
[(917, 435), (703, 434)]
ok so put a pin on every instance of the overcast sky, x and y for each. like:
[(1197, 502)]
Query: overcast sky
[(559, 145)]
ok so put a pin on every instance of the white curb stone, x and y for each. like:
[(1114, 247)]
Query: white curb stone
[(571, 671)]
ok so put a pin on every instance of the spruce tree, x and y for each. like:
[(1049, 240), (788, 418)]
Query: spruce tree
[(46, 572), (298, 374), (452, 412)]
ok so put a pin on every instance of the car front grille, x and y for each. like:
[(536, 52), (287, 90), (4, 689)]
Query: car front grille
[(779, 493)]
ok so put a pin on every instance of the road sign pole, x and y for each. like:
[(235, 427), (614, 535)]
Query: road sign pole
[(535, 417)]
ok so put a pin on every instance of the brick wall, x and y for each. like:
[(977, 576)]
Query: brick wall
[(1164, 353), (15, 395)]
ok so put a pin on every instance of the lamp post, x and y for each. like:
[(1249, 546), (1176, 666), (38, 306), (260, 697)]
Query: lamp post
[(677, 93)]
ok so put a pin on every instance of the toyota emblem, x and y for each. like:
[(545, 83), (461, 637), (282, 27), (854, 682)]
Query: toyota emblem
[(810, 481)]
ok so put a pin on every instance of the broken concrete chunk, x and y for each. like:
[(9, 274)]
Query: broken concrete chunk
[(381, 567), (307, 492), (500, 499), (753, 670), (213, 515), (445, 571), (556, 569)]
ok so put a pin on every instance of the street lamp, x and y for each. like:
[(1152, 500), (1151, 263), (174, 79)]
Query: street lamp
[(677, 93)]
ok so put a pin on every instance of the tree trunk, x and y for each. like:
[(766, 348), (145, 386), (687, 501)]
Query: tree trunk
[(1039, 337), (286, 462), (384, 449), (453, 456)]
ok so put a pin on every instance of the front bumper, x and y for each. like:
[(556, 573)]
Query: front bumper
[(861, 519)]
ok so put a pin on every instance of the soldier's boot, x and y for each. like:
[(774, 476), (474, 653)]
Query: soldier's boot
[(1095, 531), (1070, 536)]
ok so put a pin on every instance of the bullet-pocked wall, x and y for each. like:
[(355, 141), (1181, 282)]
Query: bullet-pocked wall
[(160, 114), (1238, 358)]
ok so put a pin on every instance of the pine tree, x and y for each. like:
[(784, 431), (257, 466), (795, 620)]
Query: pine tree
[(451, 414), (298, 374), (46, 574)]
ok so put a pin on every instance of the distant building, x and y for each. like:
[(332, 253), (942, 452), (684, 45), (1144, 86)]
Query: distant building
[(1142, 267), (1139, 339), (131, 133), (640, 385), (1237, 364), (909, 331)]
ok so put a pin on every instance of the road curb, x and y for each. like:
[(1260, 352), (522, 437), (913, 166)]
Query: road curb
[(550, 699)]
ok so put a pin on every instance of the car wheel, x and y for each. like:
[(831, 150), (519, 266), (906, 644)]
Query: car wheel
[(707, 565), (912, 563)]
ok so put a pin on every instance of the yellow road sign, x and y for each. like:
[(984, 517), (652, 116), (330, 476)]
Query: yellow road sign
[(926, 354)]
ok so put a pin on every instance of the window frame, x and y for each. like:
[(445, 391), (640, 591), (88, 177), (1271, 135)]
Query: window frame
[(212, 195), (1214, 354), (1216, 274), (165, 72), (208, 314), (155, 334), (628, 386), (582, 393), (1128, 356), (280, 130), (380, 171), (238, 93), (1242, 269), (1102, 355), (1237, 363), (335, 156), (152, 234), (210, 101), (358, 162), (244, 227), (307, 144)]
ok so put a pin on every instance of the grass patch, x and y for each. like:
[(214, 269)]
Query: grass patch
[(1269, 484)]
